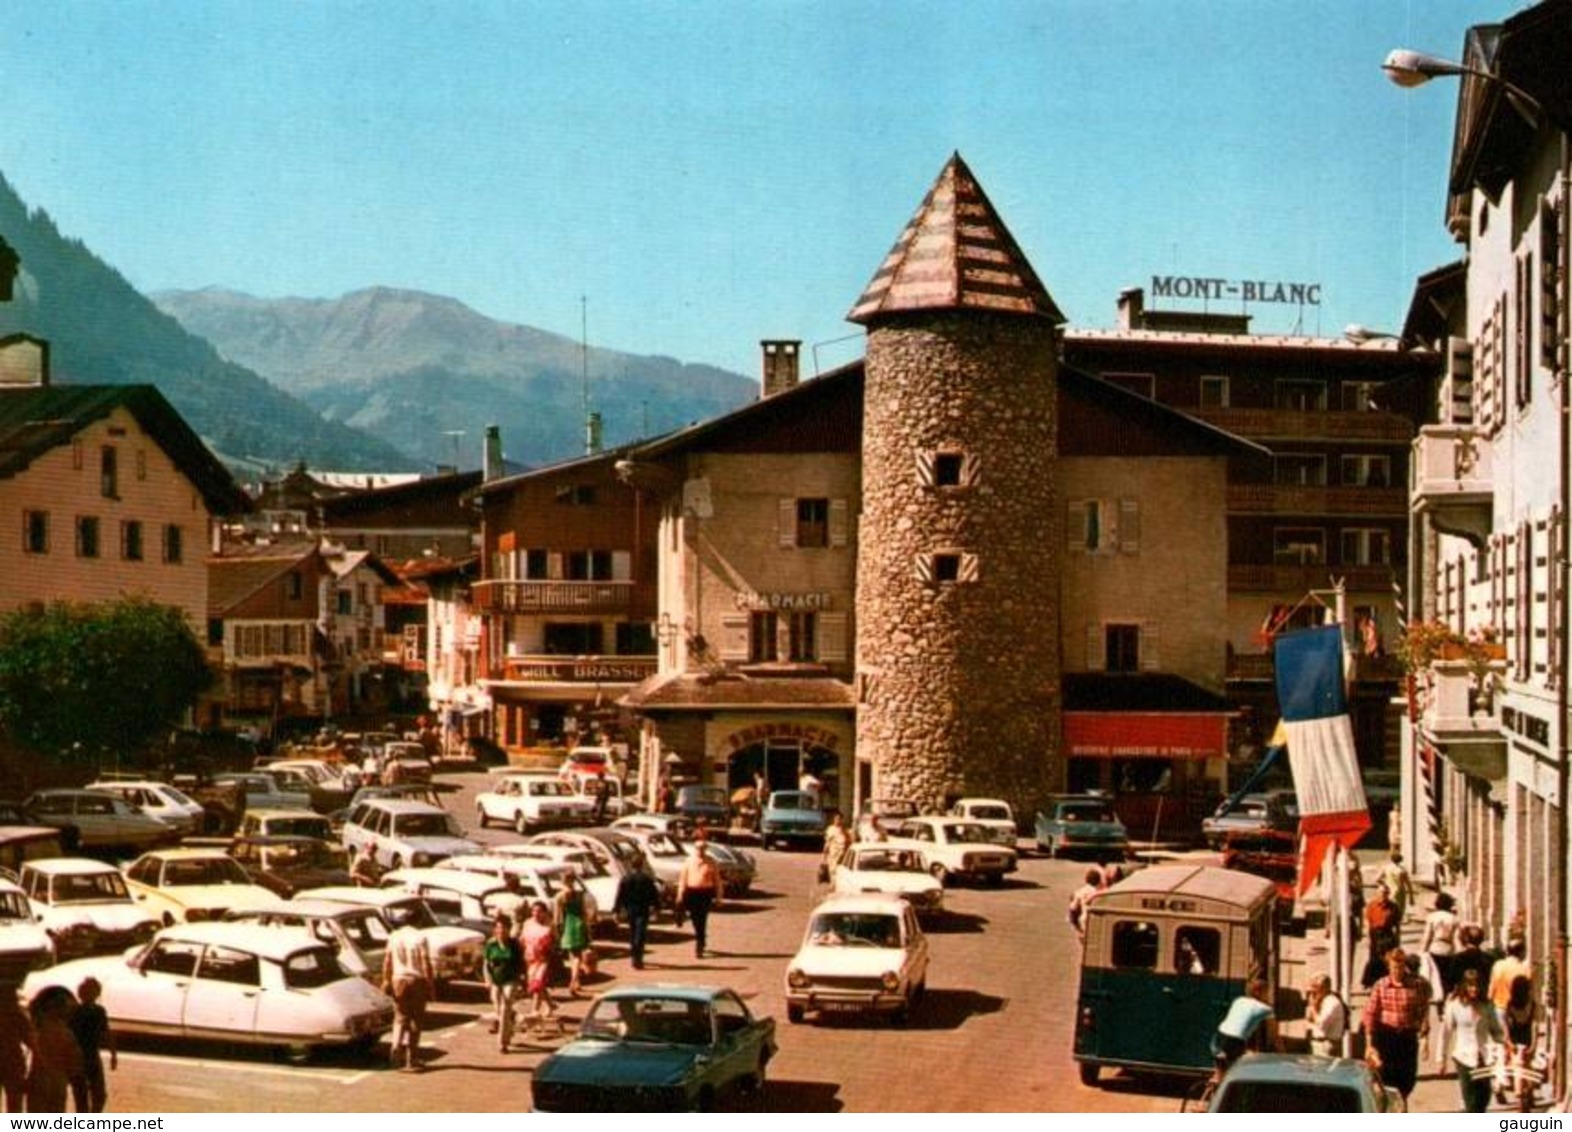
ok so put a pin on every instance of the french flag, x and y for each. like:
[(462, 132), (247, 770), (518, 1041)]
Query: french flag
[(1332, 806)]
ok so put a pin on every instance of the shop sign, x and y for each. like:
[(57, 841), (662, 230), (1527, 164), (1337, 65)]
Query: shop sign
[(761, 732), (1246, 290), (784, 601)]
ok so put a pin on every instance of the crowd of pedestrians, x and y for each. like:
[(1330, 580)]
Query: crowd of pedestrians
[(55, 1049)]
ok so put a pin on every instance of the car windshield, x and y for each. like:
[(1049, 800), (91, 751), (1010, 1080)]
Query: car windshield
[(316, 967), (13, 906), (674, 1021), (965, 831), (366, 930), (548, 789), (887, 861), (704, 795), (309, 771), (170, 794), (855, 929), (208, 870), (89, 888), (659, 845), (409, 914), (1287, 1096), (1086, 811), (425, 825), (991, 813), (792, 800), (303, 826)]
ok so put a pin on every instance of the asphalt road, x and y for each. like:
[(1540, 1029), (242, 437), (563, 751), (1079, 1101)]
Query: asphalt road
[(992, 1035)]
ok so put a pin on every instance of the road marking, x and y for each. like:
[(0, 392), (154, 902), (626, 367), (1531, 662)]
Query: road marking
[(296, 1073)]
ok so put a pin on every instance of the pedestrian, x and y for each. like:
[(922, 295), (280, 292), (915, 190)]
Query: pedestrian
[(1470, 956), (698, 891), (602, 798), (1520, 1021), (89, 1023), (1251, 1023), (573, 936), (665, 796), (1356, 897), (874, 831), (1326, 1017), (1381, 922), (504, 963), (1468, 1027), (837, 839), (363, 870), (1510, 966), (1081, 898), (637, 898), (57, 1059), (1399, 885), (408, 977), (1438, 941), (1396, 1016), (540, 948), (16, 1038)]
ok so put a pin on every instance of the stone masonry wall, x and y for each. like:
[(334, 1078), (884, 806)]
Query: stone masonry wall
[(961, 678)]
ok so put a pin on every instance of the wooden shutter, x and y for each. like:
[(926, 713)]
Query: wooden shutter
[(734, 637), (554, 564), (786, 517), (1551, 342), (622, 565), (1075, 527), (1129, 526), (924, 568), (1096, 648), (832, 638), (970, 568), (971, 470), (1150, 661), (926, 473), (840, 522)]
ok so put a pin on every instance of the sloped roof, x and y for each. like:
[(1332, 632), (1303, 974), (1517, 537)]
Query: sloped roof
[(241, 571), (955, 254), (1138, 692), (36, 419), (701, 692)]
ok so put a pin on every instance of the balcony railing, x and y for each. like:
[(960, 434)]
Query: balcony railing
[(1290, 499), (1304, 424), (1260, 666), (544, 669), (1453, 480), (562, 597), (1295, 579)]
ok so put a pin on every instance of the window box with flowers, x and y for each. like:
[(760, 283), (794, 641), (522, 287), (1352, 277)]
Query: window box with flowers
[(1480, 656)]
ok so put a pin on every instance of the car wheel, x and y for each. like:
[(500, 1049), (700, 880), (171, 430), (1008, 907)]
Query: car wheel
[(993, 880), (939, 873), (902, 1014), (521, 824), (298, 1054), (398, 862), (1088, 1072), (795, 1013)]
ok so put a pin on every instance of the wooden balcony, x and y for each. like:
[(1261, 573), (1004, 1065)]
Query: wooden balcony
[(627, 598), (1453, 480), (1289, 499), (1296, 579), (1298, 424)]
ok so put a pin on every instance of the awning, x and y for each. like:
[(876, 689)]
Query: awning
[(1156, 735)]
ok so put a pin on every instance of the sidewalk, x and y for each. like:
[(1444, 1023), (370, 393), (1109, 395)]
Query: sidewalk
[(1307, 956)]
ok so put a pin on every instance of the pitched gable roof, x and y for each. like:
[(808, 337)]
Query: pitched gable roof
[(36, 419), (240, 572), (955, 254)]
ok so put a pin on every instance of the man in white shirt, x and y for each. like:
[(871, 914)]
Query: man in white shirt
[(408, 976)]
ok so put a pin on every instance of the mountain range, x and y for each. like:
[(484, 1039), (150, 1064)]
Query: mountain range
[(427, 374)]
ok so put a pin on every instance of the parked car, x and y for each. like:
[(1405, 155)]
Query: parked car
[(404, 833), (890, 812), (876, 867), (158, 801), (234, 983), (991, 812), (286, 823), (85, 906), (537, 879), (737, 866), (708, 804), (657, 1049), (25, 945), (192, 884), (791, 816), (1081, 823), (953, 847), (358, 935), (413, 762), (664, 854), (285, 865), (673, 825), (532, 802), (600, 883), (263, 792), (616, 851), (463, 899), (1250, 814), (99, 820), (1277, 1082), (328, 788), (21, 843), (595, 762), (455, 952), (588, 787), (861, 954)]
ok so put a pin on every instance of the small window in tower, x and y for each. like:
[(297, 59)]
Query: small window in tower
[(947, 469), (946, 567)]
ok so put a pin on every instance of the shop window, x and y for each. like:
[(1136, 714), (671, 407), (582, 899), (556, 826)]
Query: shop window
[(1135, 945), (1142, 776)]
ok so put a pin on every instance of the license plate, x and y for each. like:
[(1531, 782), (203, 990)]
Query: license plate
[(843, 1007)]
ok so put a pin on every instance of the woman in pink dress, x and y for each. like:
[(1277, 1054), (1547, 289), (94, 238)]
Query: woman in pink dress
[(540, 946)]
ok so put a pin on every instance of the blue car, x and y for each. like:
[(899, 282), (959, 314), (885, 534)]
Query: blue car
[(789, 816), (1081, 823), (658, 1048)]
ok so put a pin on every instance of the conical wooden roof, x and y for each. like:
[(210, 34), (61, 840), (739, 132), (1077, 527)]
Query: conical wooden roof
[(955, 254)]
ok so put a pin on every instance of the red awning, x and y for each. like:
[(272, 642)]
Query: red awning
[(1155, 735)]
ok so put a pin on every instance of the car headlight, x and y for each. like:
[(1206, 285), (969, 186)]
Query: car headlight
[(796, 979), (890, 981)]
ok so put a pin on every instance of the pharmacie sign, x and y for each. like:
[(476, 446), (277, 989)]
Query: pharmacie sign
[(1246, 290)]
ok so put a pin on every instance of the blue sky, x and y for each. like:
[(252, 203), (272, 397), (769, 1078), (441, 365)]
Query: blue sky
[(712, 173)]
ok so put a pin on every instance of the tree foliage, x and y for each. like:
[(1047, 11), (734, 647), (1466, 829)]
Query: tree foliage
[(81, 681)]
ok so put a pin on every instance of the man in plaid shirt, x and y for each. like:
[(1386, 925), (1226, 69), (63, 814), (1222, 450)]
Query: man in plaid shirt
[(1395, 1017)]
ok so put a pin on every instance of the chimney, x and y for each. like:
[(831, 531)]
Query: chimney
[(780, 364), (1132, 304), (491, 459), (592, 435), (24, 361)]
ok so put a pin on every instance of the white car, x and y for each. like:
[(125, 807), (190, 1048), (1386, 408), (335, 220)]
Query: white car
[(600, 885), (263, 791), (157, 800), (403, 833), (537, 879), (860, 954), (192, 885), (358, 935), (286, 823), (955, 847), (679, 826), (588, 786), (878, 867), (467, 900), (24, 944), (532, 802), (991, 812), (455, 952), (85, 906), (234, 983)]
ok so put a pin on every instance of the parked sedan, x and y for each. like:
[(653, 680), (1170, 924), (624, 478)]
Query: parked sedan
[(1081, 823), (285, 865), (875, 867), (263, 792), (709, 804), (995, 813), (455, 951), (157, 800), (952, 847), (1250, 814), (860, 954), (235, 983), (192, 885), (658, 1049), (358, 935), (791, 816), (100, 821), (85, 906), (24, 944), (1275, 1082)]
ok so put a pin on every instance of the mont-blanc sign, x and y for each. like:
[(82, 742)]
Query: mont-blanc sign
[(1247, 290)]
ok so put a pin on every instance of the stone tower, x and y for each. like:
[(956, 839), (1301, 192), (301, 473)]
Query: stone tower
[(959, 540)]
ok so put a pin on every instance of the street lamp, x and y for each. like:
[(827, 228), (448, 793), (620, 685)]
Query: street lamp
[(1414, 68), (1359, 334)]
